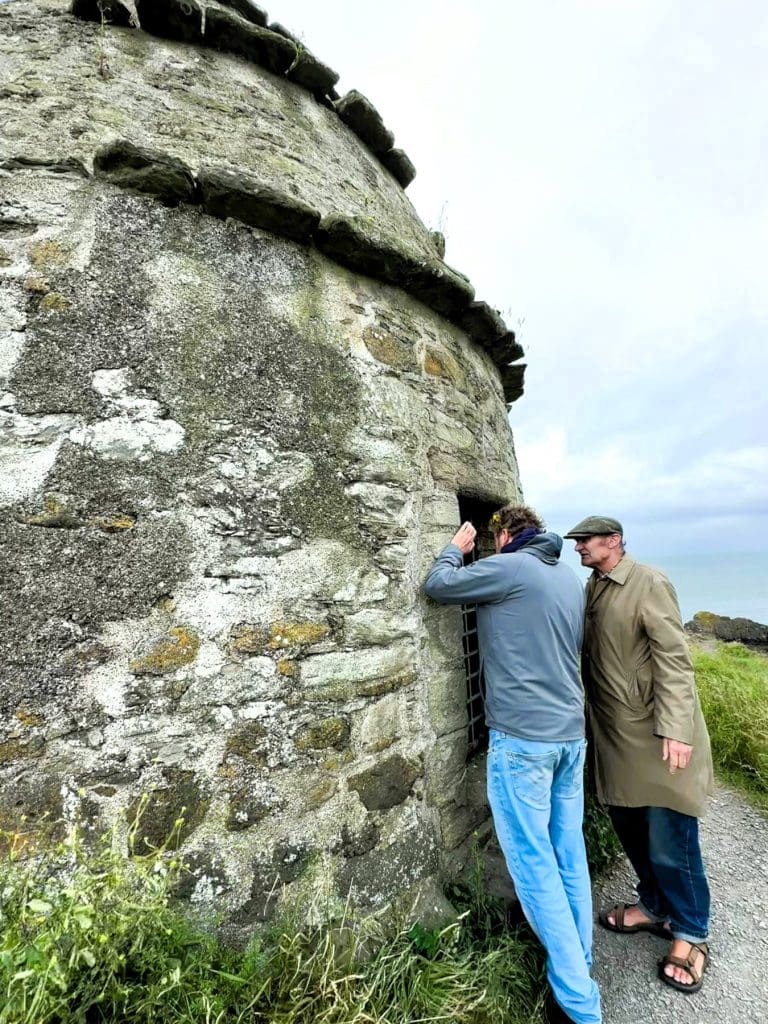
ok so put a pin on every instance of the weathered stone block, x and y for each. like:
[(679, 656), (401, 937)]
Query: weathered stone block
[(330, 733), (400, 165), (311, 73), (483, 323), (247, 741), (153, 817), (365, 121), (226, 31), (228, 193), (385, 784), (512, 381), (341, 675), (250, 10), (376, 878), (145, 170), (168, 654), (246, 809)]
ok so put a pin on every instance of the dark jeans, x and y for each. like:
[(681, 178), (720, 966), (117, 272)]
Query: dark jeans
[(663, 848)]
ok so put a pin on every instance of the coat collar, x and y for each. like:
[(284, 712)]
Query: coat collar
[(620, 572)]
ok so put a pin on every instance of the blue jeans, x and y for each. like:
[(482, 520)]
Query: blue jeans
[(536, 793), (663, 848)]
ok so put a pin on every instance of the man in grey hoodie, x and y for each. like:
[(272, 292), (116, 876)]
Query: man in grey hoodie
[(530, 612)]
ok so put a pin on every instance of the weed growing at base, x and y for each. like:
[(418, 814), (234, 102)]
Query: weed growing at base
[(733, 688), (91, 937)]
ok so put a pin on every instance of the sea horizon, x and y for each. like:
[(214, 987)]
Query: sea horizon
[(726, 583)]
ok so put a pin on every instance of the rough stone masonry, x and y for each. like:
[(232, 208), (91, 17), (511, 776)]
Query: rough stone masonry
[(240, 396)]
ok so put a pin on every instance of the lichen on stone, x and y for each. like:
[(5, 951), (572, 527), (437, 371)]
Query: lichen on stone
[(113, 524), (56, 513), (322, 735), (54, 302), (321, 793), (48, 253), (247, 743), (296, 634), (179, 648)]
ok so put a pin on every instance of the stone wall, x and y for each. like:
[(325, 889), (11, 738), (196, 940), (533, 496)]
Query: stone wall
[(229, 449)]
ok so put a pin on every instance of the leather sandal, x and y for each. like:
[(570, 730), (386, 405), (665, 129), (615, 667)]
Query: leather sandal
[(619, 910), (687, 963)]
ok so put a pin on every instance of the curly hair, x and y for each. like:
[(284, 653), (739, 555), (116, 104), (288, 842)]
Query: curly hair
[(515, 518)]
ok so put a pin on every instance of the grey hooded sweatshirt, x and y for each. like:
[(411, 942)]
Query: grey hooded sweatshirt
[(530, 619)]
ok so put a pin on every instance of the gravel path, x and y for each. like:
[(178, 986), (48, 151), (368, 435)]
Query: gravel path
[(735, 990)]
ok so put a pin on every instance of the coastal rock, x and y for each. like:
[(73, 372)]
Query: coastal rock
[(744, 631)]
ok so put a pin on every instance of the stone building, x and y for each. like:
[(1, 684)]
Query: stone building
[(243, 402)]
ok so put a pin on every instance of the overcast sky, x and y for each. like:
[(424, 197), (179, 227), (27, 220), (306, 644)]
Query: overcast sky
[(600, 170)]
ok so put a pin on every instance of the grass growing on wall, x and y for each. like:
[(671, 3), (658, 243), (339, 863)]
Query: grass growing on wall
[(733, 688), (90, 937)]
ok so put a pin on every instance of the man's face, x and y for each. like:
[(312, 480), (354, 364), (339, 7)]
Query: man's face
[(501, 538), (598, 551)]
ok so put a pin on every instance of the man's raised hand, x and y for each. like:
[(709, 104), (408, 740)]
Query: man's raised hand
[(464, 538)]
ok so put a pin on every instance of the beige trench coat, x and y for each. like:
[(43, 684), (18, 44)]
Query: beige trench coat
[(640, 687)]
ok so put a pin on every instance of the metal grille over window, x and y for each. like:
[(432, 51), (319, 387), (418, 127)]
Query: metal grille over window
[(478, 513)]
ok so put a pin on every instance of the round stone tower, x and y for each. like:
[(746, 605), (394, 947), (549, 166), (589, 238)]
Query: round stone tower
[(243, 402)]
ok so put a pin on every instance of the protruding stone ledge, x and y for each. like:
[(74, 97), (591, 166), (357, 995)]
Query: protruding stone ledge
[(249, 10), (68, 165), (145, 170), (435, 284), (310, 73), (512, 381), (225, 193), (484, 323), (399, 165), (240, 27), (228, 193), (356, 111)]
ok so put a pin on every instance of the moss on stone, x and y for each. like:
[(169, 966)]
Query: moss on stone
[(287, 668), (28, 718), (705, 620), (55, 513), (246, 810), (35, 284), (248, 638), (321, 793), (15, 749), (296, 634), (154, 816), (322, 735), (54, 302), (385, 784), (48, 253), (361, 688), (384, 743), (113, 524), (168, 654), (247, 742), (334, 764)]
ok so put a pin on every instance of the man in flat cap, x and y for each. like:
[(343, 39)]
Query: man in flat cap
[(530, 618), (652, 758)]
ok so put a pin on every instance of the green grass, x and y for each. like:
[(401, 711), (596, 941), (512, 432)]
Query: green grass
[(733, 687), (88, 936)]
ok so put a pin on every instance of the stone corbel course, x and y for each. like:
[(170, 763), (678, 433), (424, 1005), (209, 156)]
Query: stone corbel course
[(225, 193), (240, 27)]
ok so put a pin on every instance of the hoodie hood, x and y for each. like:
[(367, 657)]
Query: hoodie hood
[(546, 547)]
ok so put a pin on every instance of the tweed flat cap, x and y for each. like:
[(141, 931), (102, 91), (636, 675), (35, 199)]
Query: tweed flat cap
[(595, 525)]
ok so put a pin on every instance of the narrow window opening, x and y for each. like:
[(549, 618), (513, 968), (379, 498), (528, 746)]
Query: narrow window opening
[(478, 513)]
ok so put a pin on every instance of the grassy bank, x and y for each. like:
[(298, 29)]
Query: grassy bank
[(733, 687), (91, 937)]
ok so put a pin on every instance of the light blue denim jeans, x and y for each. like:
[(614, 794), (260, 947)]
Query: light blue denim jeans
[(536, 793)]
